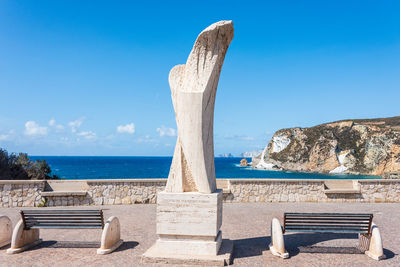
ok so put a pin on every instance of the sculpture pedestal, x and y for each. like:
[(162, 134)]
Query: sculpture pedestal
[(188, 229)]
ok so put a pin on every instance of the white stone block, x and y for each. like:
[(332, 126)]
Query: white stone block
[(181, 246), (191, 213), (189, 223)]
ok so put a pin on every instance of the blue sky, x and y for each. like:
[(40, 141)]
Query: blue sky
[(91, 77)]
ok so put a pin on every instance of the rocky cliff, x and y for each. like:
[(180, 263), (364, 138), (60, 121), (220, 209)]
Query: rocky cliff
[(370, 146)]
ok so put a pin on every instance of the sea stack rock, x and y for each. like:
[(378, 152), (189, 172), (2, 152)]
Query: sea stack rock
[(243, 163)]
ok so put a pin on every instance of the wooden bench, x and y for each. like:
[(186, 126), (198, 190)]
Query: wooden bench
[(26, 232), (351, 223), (62, 219), (348, 223)]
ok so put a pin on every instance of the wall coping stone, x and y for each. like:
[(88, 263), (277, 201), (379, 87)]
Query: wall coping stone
[(342, 191), (63, 193), (22, 181), (379, 181), (155, 180), (249, 180)]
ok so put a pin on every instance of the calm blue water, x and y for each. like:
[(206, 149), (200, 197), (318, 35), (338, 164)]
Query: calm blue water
[(158, 167)]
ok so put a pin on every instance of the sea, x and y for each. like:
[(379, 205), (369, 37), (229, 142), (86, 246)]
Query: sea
[(89, 167)]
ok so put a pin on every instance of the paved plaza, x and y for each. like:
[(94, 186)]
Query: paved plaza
[(248, 225)]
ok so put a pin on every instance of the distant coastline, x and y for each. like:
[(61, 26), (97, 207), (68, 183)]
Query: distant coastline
[(135, 167)]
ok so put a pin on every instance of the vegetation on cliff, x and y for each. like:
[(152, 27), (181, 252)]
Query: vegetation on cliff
[(368, 146), (21, 167)]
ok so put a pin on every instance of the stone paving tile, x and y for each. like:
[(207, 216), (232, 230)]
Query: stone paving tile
[(247, 224)]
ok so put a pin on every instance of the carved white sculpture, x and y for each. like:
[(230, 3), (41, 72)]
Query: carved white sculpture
[(193, 89), (189, 211)]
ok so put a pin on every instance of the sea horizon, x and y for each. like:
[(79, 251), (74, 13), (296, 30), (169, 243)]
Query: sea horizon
[(157, 167)]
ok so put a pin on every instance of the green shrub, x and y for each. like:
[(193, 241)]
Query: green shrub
[(21, 167)]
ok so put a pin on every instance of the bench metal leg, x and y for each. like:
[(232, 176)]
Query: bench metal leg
[(23, 239), (375, 250), (277, 246), (5, 231), (110, 238)]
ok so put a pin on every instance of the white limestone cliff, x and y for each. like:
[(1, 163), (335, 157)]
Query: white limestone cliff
[(369, 146)]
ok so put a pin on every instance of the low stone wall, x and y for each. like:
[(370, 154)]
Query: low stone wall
[(113, 192), (272, 190), (132, 191), (380, 190), (296, 190), (21, 193)]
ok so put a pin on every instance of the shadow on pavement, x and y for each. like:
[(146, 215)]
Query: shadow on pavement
[(127, 245), (250, 247), (296, 243), (80, 244), (299, 243)]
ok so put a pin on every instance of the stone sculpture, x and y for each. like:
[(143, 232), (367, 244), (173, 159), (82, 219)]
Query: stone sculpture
[(193, 89), (189, 210)]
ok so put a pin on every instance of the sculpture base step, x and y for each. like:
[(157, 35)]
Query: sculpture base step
[(223, 258)]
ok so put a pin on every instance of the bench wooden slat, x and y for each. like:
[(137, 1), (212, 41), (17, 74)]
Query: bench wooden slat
[(326, 230), (328, 222), (64, 223), (62, 219), (329, 218), (65, 211), (331, 231), (324, 227), (62, 216), (63, 227), (327, 225), (329, 214)]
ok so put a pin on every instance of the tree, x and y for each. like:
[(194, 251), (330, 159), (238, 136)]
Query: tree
[(21, 167)]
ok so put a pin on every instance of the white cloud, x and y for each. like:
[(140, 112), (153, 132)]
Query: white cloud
[(64, 139), (33, 129), (7, 136), (58, 127), (146, 139), (129, 128), (239, 137), (165, 131), (109, 137), (89, 135), (76, 124)]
